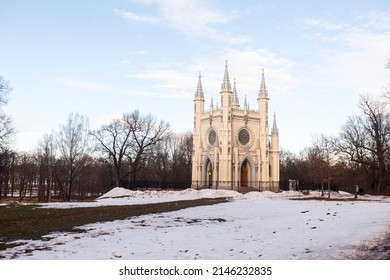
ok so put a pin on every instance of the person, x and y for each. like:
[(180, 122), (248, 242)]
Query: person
[(356, 191)]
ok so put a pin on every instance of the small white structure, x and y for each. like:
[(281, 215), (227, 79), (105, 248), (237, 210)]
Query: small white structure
[(232, 146), (293, 185)]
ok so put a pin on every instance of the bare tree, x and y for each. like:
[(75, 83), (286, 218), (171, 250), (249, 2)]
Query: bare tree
[(129, 138), (169, 161), (182, 158), (365, 140), (326, 158), (72, 144), (288, 170), (113, 140), (387, 89), (377, 126), (156, 163), (7, 163), (5, 90), (45, 159), (26, 174), (146, 131), (6, 129)]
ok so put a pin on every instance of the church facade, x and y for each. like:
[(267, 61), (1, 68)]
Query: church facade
[(233, 148)]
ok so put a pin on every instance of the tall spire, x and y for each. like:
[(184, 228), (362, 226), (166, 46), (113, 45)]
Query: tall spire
[(263, 89), (275, 137), (246, 104), (199, 90), (226, 86), (234, 96), (275, 129)]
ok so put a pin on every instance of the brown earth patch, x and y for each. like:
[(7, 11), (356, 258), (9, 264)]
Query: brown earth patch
[(26, 222)]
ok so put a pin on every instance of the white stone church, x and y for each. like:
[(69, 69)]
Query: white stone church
[(232, 146)]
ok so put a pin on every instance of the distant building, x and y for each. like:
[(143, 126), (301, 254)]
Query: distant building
[(232, 146)]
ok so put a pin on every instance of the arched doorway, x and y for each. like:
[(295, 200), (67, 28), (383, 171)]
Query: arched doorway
[(209, 174), (244, 173)]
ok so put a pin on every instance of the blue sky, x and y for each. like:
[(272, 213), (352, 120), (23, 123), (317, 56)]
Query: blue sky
[(104, 58)]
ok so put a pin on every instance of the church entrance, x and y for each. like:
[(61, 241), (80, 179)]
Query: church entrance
[(244, 174), (209, 174)]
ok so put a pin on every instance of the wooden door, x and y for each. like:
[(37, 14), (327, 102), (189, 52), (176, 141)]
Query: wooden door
[(210, 174), (244, 174)]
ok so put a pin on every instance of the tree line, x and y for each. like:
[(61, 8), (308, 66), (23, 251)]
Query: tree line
[(75, 162), (358, 156), (140, 151)]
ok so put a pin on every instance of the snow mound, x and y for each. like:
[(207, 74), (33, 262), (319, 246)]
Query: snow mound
[(124, 196), (271, 195), (197, 194), (187, 193), (259, 195), (117, 192), (210, 193)]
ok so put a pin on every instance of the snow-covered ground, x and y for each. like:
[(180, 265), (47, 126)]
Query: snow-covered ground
[(258, 225)]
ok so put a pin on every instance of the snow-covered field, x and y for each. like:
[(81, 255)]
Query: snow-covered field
[(258, 225)]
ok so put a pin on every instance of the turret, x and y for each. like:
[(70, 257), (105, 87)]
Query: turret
[(275, 136), (198, 105), (263, 89), (226, 89), (211, 106), (226, 86), (246, 106), (263, 103), (199, 89), (226, 92), (197, 138), (199, 97), (234, 97), (275, 155)]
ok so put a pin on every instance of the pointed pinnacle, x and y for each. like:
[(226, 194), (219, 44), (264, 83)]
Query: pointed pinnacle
[(275, 129), (263, 88), (199, 90), (226, 81)]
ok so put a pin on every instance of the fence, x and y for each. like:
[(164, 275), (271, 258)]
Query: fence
[(307, 186), (237, 185), (155, 185)]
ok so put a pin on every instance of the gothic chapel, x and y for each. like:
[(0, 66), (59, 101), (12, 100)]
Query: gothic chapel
[(232, 147)]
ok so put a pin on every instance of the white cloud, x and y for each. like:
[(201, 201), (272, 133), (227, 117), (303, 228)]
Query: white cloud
[(354, 58), (130, 16), (345, 61), (180, 80), (246, 66), (167, 82), (362, 67), (351, 58), (190, 17), (324, 24), (378, 20), (78, 84), (193, 18)]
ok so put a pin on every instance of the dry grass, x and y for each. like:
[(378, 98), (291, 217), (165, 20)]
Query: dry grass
[(24, 222)]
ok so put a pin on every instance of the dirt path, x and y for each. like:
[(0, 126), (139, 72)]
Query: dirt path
[(379, 251)]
